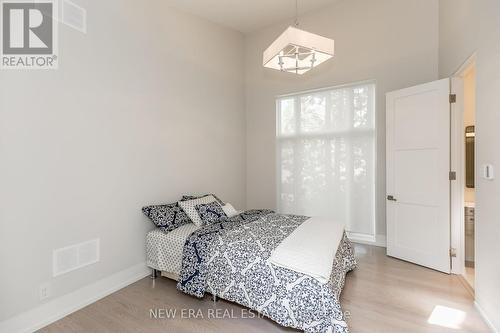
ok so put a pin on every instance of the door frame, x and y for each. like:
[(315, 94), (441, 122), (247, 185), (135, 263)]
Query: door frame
[(457, 164)]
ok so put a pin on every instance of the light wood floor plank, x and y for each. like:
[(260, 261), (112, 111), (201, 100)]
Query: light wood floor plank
[(383, 295)]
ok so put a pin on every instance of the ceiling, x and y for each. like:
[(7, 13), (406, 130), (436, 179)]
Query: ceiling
[(247, 15)]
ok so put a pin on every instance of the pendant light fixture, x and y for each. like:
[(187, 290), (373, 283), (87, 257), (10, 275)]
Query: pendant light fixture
[(297, 51)]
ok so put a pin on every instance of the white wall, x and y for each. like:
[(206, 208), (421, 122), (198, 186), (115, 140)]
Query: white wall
[(392, 41), (467, 26), (146, 106)]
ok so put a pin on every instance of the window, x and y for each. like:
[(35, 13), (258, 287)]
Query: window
[(326, 155)]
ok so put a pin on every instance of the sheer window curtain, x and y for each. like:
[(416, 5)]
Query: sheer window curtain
[(326, 155)]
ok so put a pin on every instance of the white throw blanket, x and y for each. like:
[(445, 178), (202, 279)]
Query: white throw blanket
[(310, 249)]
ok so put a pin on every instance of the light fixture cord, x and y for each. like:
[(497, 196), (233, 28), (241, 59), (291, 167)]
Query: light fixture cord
[(296, 13)]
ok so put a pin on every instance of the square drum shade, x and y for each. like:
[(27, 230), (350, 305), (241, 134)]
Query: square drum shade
[(297, 51)]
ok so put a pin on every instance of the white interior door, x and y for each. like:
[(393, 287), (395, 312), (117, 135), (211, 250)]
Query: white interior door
[(418, 165)]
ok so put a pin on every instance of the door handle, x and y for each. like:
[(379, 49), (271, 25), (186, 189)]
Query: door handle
[(391, 198)]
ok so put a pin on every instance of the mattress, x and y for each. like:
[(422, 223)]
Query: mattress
[(164, 249)]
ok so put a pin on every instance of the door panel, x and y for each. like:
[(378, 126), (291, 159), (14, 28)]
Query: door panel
[(408, 234), (415, 112), (415, 179), (418, 163)]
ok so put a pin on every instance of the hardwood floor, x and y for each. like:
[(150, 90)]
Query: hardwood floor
[(382, 295), (469, 276)]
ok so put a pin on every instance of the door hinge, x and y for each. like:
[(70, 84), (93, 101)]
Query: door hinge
[(453, 98), (453, 252), (452, 175), (391, 198)]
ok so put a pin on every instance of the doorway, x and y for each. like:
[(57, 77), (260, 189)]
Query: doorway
[(463, 161), (469, 77), (431, 132)]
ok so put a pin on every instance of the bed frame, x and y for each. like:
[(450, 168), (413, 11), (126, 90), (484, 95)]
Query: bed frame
[(172, 276)]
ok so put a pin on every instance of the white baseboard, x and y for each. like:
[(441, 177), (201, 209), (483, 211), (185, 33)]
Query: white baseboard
[(361, 238), (485, 318), (378, 240), (58, 308), (381, 241)]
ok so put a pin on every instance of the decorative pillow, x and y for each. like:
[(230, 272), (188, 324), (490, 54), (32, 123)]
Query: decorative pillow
[(192, 197), (211, 212), (166, 217), (189, 207), (229, 210)]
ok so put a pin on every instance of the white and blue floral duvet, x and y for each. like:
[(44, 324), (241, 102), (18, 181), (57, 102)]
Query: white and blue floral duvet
[(229, 260)]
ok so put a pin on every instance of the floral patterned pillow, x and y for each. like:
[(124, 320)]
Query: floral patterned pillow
[(211, 212), (166, 217)]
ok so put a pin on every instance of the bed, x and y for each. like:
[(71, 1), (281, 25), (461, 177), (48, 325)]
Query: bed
[(164, 249), (231, 260)]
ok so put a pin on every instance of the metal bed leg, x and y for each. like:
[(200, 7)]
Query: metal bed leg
[(154, 274)]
